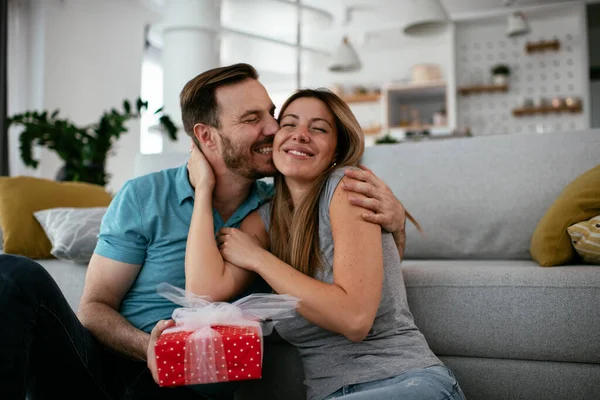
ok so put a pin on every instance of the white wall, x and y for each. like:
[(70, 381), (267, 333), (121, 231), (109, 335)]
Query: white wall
[(91, 53), (481, 44)]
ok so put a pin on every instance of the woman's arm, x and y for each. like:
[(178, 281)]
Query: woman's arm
[(206, 273), (381, 205), (349, 305)]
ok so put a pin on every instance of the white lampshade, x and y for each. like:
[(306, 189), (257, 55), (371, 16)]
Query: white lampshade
[(517, 25), (345, 58), (424, 17)]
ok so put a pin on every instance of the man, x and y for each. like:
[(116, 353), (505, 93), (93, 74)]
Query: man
[(109, 347)]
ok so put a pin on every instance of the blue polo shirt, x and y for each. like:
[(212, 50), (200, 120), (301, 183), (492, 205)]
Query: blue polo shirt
[(147, 223)]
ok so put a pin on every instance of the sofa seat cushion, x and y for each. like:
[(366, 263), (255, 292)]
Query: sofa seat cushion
[(506, 309)]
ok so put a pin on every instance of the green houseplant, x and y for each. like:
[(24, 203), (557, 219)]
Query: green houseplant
[(84, 149), (500, 74), (386, 139)]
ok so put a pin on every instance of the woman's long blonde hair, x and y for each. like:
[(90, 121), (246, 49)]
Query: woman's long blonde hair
[(294, 230)]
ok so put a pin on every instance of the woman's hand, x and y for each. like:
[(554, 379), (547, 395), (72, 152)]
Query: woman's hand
[(239, 248), (199, 170)]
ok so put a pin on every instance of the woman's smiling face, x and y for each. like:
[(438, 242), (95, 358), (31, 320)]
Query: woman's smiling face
[(306, 142)]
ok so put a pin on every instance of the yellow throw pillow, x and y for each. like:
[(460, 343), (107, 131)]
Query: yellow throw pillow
[(585, 237), (579, 201), (21, 196)]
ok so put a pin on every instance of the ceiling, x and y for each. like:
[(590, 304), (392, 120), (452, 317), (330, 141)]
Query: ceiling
[(452, 6), (460, 6)]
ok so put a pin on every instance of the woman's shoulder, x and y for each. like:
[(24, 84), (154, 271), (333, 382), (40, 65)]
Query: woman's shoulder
[(332, 183), (265, 213)]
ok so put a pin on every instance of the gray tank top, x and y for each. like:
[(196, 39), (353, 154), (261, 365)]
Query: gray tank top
[(394, 344)]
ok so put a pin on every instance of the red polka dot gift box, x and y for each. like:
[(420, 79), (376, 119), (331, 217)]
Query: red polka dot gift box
[(215, 342), (209, 355)]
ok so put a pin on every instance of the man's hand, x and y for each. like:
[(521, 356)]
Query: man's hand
[(383, 208), (151, 354)]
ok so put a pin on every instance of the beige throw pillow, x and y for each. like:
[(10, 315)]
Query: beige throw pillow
[(585, 237)]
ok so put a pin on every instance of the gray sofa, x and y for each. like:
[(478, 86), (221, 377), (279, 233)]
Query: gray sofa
[(508, 328)]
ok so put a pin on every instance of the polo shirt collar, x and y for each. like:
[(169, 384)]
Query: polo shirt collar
[(183, 186), (259, 192)]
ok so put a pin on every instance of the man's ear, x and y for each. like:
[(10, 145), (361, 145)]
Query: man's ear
[(205, 135)]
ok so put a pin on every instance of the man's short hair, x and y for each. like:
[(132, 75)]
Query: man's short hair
[(198, 100)]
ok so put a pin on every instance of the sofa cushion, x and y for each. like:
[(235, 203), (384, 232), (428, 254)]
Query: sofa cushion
[(579, 201), (500, 379), (585, 237), (73, 232), (481, 197), (506, 309), (21, 196)]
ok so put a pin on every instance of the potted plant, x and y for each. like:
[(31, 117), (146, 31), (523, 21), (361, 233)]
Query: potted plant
[(386, 139), (83, 149), (500, 74)]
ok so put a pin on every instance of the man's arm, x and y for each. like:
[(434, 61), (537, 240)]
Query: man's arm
[(106, 283), (117, 260)]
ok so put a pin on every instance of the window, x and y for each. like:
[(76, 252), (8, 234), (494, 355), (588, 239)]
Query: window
[(151, 140)]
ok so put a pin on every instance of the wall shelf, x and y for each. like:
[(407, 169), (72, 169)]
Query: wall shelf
[(361, 98), (519, 112), (372, 131), (482, 89), (533, 47)]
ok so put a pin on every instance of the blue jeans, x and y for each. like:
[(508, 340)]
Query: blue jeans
[(432, 383)]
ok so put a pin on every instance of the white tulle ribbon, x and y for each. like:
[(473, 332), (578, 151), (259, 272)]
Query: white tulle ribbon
[(205, 352)]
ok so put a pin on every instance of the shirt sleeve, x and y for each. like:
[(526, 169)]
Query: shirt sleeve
[(265, 214), (329, 188), (121, 236)]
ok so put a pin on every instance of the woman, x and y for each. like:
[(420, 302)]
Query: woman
[(354, 330)]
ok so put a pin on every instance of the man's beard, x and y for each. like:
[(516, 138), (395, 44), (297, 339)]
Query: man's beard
[(238, 160)]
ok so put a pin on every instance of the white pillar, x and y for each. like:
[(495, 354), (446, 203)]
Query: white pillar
[(190, 46)]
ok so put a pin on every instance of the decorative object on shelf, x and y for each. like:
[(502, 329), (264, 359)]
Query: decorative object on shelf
[(361, 90), (425, 73), (572, 101), (440, 118), (424, 17), (345, 58), (543, 45), (500, 74), (372, 130), (404, 116), (558, 102), (482, 89), (517, 25), (361, 98), (386, 139), (83, 149), (524, 102), (542, 102)]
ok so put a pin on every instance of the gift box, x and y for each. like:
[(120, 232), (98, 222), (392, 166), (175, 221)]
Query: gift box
[(216, 342), (218, 354)]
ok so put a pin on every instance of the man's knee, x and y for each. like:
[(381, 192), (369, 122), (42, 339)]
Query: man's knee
[(21, 271)]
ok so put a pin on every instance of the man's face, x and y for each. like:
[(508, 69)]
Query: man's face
[(246, 129)]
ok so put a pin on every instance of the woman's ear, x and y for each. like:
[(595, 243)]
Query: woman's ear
[(205, 135)]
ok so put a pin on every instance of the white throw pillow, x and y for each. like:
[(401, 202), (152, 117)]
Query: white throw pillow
[(73, 232)]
